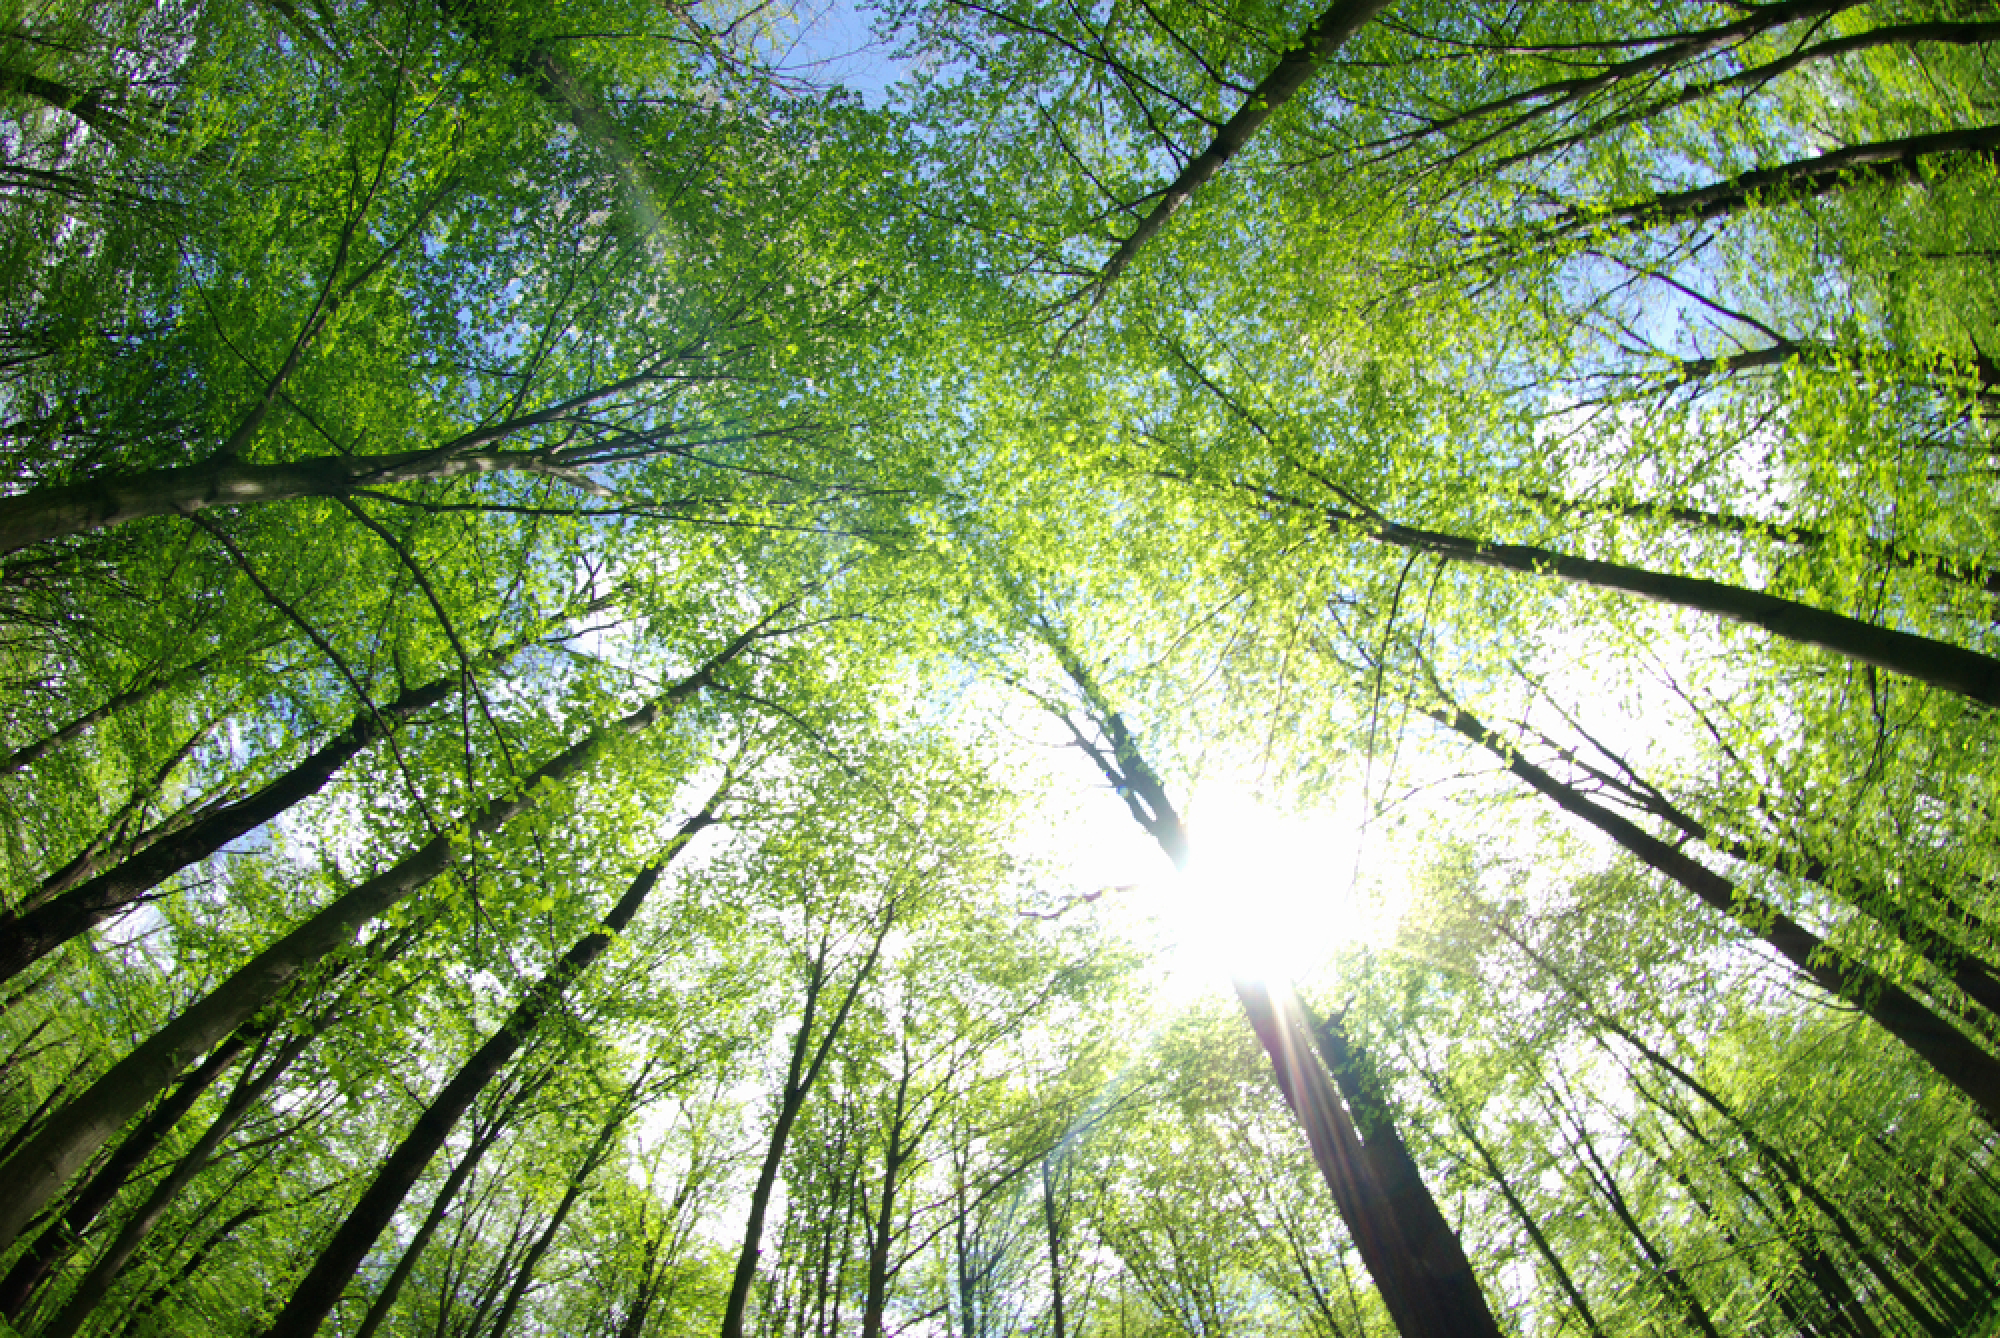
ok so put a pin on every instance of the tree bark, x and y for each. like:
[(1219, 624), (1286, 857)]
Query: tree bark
[(1752, 78), (1972, 976), (1052, 1225), (88, 106), (1938, 663), (1666, 55), (33, 1174), (140, 1224), (112, 499), (881, 1237), (19, 1286), (406, 1263), (1427, 1294), (593, 1158), (1838, 1297), (152, 1300), (1954, 1057), (801, 1073), (320, 1289), (1805, 178), (28, 754), (1670, 1276), (1957, 571), (1536, 1236), (1782, 1166), (26, 939), (1316, 45), (882, 1231), (1437, 1258)]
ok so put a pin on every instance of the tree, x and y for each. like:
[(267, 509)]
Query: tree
[(433, 434)]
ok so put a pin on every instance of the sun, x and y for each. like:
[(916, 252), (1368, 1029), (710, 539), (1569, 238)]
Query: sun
[(1267, 894)]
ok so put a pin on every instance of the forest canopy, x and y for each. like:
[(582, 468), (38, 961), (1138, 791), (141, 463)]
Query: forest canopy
[(962, 668)]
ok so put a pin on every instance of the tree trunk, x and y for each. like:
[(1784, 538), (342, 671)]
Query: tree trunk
[(1782, 1167), (26, 938), (1441, 1259), (1316, 45), (59, 1237), (1956, 571), (1950, 1054), (1670, 1276), (139, 1225), (1053, 1228), (882, 1231), (881, 1238), (320, 1289), (107, 500), (32, 1175), (461, 1171), (1972, 976), (29, 754), (153, 1299), (1938, 663), (1424, 1280), (1536, 1235), (593, 1158), (1752, 78), (88, 106), (1805, 178), (642, 1301), (801, 1073), (1817, 1268)]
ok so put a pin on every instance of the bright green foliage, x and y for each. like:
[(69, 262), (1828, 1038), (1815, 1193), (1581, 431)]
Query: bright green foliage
[(552, 353)]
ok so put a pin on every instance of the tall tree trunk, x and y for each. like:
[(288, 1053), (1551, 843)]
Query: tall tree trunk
[(151, 1302), (1052, 1225), (1753, 77), (32, 1175), (1536, 1236), (503, 1267), (1954, 1057), (28, 754), (406, 1263), (1670, 1277), (1816, 1266), (1440, 1264), (96, 1284), (1805, 178), (1938, 663), (801, 1073), (26, 938), (115, 841), (1428, 1288), (90, 106), (882, 1231), (1423, 1276), (642, 1300), (1667, 53), (1971, 975), (112, 499), (1780, 1165), (1316, 45), (881, 1240), (59, 1237), (320, 1289), (1970, 572), (593, 1157)]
